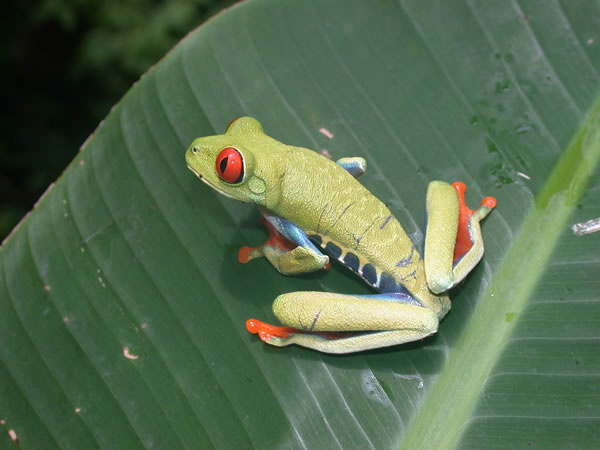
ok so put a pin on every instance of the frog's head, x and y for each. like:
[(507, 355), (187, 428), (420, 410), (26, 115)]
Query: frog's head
[(228, 162)]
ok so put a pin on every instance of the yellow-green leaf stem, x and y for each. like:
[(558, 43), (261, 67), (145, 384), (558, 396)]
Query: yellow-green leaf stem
[(449, 405)]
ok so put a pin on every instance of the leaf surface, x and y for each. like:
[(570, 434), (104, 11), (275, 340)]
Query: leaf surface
[(123, 306)]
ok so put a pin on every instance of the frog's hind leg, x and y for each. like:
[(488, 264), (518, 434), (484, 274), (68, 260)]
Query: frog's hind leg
[(453, 240), (338, 323)]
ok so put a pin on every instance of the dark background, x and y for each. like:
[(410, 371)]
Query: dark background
[(63, 64)]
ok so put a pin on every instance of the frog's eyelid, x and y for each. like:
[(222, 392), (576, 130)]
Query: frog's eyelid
[(194, 149)]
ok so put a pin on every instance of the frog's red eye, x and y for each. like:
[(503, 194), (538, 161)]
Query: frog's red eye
[(230, 165)]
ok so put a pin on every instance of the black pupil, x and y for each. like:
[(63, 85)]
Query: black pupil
[(223, 164)]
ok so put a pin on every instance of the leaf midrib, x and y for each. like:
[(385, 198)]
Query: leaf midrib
[(449, 405)]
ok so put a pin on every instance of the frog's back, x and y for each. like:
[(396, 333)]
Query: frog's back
[(341, 216)]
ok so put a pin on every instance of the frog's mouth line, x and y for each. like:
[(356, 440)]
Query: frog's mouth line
[(194, 170), (220, 191)]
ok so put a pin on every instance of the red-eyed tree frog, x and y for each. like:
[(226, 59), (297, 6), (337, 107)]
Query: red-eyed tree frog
[(315, 209)]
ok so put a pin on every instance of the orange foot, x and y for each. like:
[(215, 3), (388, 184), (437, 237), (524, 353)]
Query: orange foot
[(266, 332), (463, 238)]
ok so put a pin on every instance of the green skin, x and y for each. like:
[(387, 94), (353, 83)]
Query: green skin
[(323, 199)]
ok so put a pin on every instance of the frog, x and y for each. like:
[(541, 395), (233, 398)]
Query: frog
[(316, 211)]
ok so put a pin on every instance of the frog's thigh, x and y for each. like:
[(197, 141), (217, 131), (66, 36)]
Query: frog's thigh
[(396, 322), (440, 237), (327, 311)]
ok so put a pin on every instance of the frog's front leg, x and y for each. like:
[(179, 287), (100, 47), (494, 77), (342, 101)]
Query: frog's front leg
[(354, 165), (288, 248), (453, 240), (339, 323)]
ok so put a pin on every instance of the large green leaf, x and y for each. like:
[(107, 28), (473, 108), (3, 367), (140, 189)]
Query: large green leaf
[(123, 307)]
